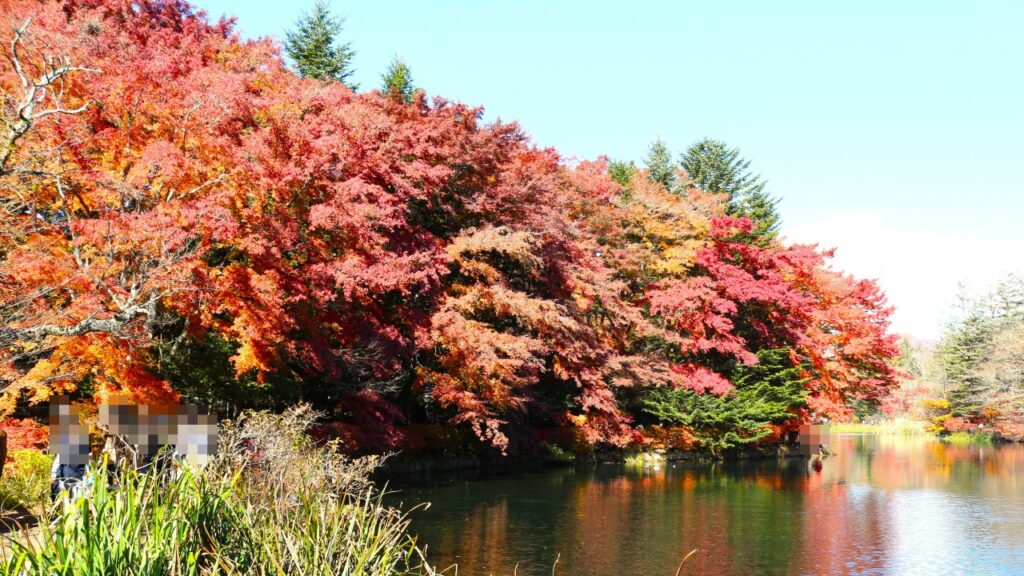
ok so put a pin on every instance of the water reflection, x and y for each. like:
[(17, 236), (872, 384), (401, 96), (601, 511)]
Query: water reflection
[(881, 505)]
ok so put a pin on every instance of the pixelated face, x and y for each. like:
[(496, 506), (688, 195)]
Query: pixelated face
[(196, 435), (812, 437), (189, 429), (69, 438)]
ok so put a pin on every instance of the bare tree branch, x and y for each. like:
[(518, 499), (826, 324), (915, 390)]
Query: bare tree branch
[(109, 325), (35, 94)]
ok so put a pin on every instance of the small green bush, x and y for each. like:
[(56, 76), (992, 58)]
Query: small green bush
[(25, 485)]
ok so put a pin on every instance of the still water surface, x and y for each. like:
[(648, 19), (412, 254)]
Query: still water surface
[(882, 505)]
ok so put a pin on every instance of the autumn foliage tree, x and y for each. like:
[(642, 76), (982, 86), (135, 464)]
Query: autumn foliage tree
[(722, 300), (183, 215)]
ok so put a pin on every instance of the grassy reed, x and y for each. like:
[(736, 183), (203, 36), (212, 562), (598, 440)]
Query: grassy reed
[(970, 438), (270, 503), (25, 484), (900, 427)]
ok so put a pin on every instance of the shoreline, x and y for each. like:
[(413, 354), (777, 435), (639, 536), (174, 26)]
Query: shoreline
[(405, 465), (400, 466)]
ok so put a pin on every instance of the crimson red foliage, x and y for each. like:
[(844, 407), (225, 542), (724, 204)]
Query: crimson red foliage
[(24, 434), (410, 260)]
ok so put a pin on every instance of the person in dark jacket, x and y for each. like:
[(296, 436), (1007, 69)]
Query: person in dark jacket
[(69, 443)]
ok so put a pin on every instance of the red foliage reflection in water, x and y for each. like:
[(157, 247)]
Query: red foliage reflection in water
[(881, 505)]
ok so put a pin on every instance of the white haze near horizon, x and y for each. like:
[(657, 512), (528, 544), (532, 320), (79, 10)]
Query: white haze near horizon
[(921, 271)]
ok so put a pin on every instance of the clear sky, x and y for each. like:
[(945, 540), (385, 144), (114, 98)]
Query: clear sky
[(891, 130)]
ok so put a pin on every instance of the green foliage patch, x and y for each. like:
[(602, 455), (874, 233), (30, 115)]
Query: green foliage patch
[(763, 394)]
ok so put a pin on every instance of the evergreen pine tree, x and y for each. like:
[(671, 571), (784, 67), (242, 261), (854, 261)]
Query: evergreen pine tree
[(397, 81), (714, 167), (659, 165), (622, 172), (907, 361), (968, 344), (314, 49), (762, 395), (960, 353)]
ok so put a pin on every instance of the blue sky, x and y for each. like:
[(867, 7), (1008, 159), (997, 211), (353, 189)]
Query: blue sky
[(890, 130)]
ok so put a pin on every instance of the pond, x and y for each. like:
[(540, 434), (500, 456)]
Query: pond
[(881, 505)]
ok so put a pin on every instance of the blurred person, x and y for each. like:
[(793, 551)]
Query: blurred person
[(69, 443)]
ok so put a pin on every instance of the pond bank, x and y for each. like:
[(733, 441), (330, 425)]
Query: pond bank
[(405, 465), (417, 463)]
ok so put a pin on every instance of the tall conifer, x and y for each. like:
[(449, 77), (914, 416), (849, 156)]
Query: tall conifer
[(659, 165), (715, 167), (397, 81), (313, 46)]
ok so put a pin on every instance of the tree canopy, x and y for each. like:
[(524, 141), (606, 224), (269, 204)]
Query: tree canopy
[(397, 81), (715, 167), (981, 359), (660, 167), (183, 215), (314, 47)]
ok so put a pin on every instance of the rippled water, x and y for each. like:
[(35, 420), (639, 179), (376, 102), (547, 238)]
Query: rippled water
[(882, 505)]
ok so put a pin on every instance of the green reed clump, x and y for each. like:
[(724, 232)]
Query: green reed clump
[(271, 502), (146, 524), (962, 438), (324, 535), (25, 484), (899, 427)]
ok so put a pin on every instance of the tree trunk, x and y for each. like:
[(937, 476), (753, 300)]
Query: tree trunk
[(3, 450)]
